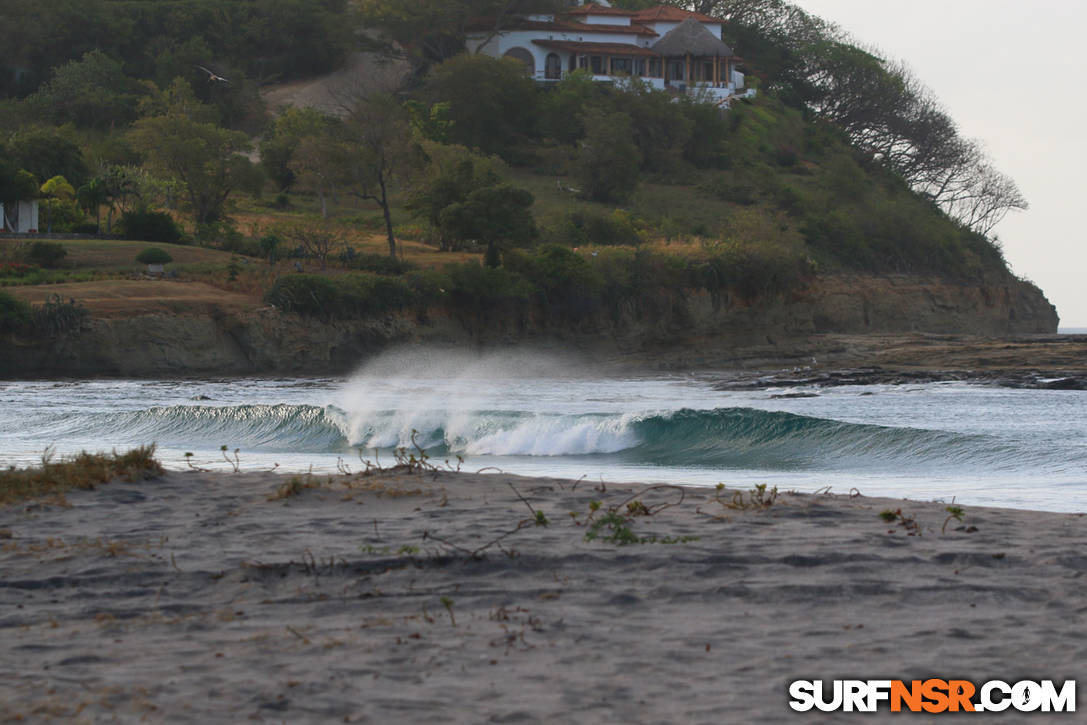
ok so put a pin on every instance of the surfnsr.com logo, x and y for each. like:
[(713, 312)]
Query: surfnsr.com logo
[(932, 696)]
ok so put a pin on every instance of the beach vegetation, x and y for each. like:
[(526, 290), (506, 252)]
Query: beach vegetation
[(955, 513), (234, 462), (613, 525), (56, 476), (907, 523), (448, 604), (294, 486), (758, 498)]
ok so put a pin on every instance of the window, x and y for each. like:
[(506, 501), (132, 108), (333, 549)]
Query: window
[(620, 66), (655, 67), (639, 66), (677, 69), (597, 64), (552, 67)]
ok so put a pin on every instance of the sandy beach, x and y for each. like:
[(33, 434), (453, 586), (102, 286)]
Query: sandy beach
[(407, 597)]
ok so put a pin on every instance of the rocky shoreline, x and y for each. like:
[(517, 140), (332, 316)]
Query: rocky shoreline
[(840, 330)]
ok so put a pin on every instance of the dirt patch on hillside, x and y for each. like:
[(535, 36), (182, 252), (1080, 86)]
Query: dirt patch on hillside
[(124, 298), (362, 73)]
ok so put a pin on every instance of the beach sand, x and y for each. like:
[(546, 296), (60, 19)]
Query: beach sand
[(195, 598)]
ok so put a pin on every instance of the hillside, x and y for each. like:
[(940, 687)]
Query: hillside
[(624, 221)]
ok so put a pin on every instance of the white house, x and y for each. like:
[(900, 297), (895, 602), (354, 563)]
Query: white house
[(664, 46), (20, 217)]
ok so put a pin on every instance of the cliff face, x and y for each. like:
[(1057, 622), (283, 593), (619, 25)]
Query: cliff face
[(699, 328)]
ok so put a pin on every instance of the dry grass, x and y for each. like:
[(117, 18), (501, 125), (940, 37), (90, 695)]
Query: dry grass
[(123, 298), (84, 471)]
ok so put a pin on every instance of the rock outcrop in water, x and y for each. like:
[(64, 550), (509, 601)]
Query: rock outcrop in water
[(694, 330)]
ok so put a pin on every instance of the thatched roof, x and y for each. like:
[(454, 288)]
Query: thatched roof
[(691, 36)]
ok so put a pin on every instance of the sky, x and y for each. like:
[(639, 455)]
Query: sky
[(1013, 75)]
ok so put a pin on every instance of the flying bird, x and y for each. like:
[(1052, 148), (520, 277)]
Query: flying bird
[(213, 76)]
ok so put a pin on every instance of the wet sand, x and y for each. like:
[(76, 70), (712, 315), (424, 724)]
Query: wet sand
[(437, 598)]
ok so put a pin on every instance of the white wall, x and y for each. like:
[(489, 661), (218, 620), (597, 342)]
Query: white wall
[(607, 20), (28, 217)]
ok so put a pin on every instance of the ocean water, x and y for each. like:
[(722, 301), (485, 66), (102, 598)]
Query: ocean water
[(973, 444)]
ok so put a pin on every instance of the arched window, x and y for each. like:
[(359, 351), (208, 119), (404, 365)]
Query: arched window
[(525, 57), (552, 67)]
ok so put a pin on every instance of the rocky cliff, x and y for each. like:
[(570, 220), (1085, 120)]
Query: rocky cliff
[(698, 329)]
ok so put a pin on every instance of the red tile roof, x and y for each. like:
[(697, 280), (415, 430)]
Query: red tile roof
[(667, 13), (596, 48)]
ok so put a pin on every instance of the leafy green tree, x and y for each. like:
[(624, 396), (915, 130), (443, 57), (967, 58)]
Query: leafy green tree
[(92, 92), (322, 163), (48, 152), (209, 161), (492, 104), (58, 201), (658, 128), (450, 175), (562, 111), (497, 216), (608, 160), (290, 128), (91, 196)]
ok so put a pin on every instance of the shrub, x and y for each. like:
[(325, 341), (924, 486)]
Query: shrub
[(729, 188), (57, 317), (154, 255), (312, 295), (474, 286), (619, 227), (346, 297), (14, 313), (150, 226), (567, 284), (379, 263), (47, 254)]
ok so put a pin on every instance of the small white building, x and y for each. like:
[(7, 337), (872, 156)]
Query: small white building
[(664, 46), (20, 217)]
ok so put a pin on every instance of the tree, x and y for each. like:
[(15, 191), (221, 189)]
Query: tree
[(48, 152), (92, 92), (91, 196), (289, 130), (317, 240), (608, 160), (381, 151), (208, 160), (321, 164), (492, 104), (450, 175), (58, 200), (493, 215)]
